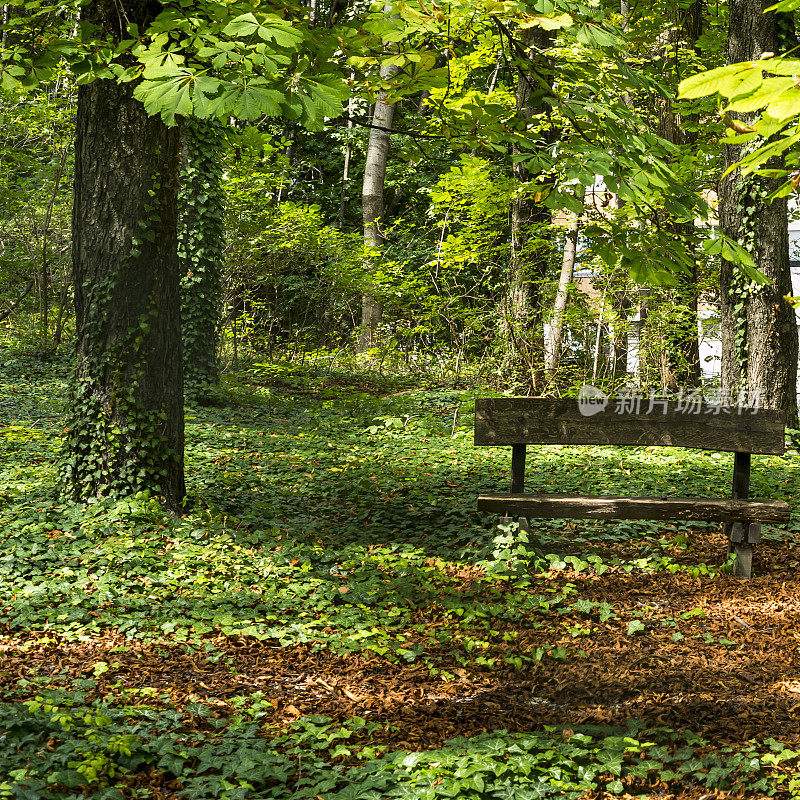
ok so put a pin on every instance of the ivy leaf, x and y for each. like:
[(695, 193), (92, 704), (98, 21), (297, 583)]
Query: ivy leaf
[(635, 626)]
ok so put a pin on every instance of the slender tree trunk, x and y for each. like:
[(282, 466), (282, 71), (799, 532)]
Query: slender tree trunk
[(44, 295), (288, 151), (372, 202), (759, 333), (553, 352), (682, 362), (201, 232), (126, 428), (348, 154), (523, 311)]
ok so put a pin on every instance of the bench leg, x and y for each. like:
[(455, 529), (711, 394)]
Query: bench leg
[(523, 523), (743, 568), (741, 538)]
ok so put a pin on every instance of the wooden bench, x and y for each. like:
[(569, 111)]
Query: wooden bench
[(520, 421)]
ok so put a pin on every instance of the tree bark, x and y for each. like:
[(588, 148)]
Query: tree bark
[(126, 428), (759, 333), (372, 203)]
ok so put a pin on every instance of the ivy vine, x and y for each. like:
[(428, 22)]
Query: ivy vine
[(201, 236), (751, 196), (115, 445)]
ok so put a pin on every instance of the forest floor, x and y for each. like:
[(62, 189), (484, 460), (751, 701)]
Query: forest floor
[(332, 618)]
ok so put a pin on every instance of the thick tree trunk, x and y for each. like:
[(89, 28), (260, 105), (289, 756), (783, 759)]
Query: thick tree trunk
[(522, 306), (126, 427), (759, 334), (201, 232), (372, 204)]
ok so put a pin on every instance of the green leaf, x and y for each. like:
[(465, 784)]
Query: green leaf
[(248, 100), (707, 83), (551, 22), (743, 82), (243, 25), (770, 90), (635, 626), (167, 97)]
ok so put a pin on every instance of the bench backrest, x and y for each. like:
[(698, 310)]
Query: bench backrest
[(535, 420)]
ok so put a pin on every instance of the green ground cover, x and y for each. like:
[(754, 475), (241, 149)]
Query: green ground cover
[(351, 622)]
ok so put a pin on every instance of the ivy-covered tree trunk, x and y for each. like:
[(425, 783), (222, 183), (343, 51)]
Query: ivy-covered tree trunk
[(201, 232), (523, 312), (125, 430), (759, 335)]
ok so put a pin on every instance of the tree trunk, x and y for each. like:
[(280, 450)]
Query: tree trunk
[(682, 363), (523, 311), (348, 153), (201, 232), (553, 352), (759, 334), (372, 203), (126, 427), (669, 349)]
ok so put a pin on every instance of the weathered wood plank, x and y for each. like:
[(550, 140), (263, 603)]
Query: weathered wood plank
[(743, 568), (689, 508), (534, 420)]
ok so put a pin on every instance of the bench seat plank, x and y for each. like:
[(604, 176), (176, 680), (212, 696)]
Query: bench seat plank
[(609, 507)]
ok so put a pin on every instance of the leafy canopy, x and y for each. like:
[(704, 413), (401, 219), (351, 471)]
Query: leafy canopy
[(767, 92), (206, 59)]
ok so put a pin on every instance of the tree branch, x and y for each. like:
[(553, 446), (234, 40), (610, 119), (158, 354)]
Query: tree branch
[(25, 293)]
